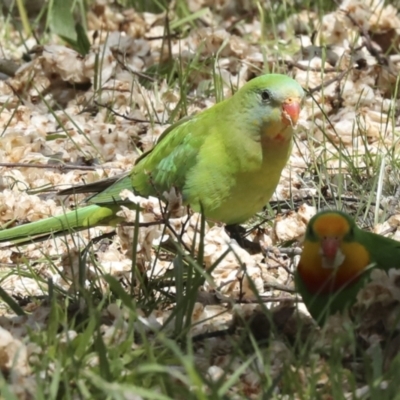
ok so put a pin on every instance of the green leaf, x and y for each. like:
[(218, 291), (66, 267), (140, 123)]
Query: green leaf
[(82, 42), (62, 21), (11, 302)]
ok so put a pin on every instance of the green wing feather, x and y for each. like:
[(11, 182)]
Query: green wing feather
[(385, 252), (155, 171), (163, 167)]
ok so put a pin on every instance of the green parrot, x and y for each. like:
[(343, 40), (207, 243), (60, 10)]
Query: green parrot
[(336, 262), (226, 161)]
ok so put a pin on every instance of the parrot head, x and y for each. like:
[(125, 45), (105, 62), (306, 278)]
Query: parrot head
[(273, 102), (331, 230), (332, 256)]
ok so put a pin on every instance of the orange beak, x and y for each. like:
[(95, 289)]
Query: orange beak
[(291, 111), (329, 247)]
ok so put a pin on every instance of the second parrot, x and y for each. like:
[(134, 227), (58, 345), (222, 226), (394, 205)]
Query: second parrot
[(336, 262)]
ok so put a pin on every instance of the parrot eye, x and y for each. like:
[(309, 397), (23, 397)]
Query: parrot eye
[(265, 95)]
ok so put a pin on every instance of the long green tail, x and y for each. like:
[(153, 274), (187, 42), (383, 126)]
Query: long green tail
[(79, 219)]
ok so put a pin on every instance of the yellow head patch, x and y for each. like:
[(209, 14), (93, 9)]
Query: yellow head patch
[(331, 224)]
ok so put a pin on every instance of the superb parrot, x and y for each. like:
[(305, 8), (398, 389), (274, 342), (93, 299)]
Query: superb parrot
[(226, 161), (336, 261)]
